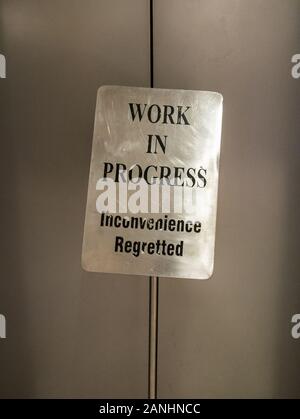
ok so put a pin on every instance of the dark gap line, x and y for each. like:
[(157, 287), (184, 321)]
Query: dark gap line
[(150, 288)]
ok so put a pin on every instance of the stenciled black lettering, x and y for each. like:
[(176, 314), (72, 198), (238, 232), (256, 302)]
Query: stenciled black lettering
[(135, 109)]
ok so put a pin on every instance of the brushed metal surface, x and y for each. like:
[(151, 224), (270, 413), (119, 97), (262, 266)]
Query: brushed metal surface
[(69, 333), (231, 336), (192, 145)]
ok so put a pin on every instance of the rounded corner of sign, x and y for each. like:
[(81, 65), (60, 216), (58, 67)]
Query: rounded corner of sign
[(84, 265), (220, 97), (210, 274), (102, 89)]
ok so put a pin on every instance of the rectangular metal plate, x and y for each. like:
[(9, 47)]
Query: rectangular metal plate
[(152, 195)]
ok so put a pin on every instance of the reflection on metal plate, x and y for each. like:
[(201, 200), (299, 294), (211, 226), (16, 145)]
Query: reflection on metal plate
[(152, 195)]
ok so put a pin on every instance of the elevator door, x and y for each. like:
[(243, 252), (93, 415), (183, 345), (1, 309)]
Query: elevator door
[(231, 336), (69, 333), (77, 334)]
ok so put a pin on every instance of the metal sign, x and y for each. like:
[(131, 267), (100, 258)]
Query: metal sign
[(152, 195)]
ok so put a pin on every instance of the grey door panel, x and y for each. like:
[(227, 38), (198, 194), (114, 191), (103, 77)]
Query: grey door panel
[(69, 333), (231, 336)]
